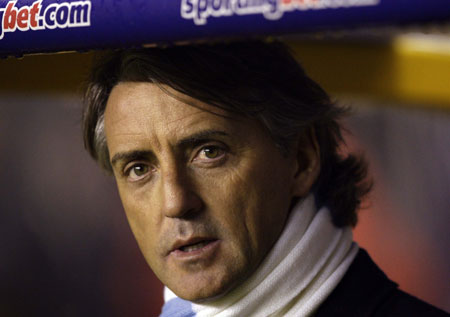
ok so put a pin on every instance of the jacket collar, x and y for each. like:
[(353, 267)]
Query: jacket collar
[(363, 288)]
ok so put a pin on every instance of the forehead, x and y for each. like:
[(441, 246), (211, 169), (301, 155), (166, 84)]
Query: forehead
[(144, 111), (128, 99)]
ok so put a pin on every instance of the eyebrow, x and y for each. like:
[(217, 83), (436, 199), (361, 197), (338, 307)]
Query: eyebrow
[(130, 156), (192, 141), (200, 137)]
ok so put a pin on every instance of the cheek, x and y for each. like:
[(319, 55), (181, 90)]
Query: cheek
[(237, 204), (226, 205), (141, 219), (261, 204)]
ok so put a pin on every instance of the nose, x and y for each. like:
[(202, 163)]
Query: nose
[(179, 199)]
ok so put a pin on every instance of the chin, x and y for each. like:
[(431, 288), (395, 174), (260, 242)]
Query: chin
[(202, 294)]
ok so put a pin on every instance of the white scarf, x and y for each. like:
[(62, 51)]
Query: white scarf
[(302, 269)]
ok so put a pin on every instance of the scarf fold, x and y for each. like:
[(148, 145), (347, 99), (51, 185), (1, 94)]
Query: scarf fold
[(304, 266)]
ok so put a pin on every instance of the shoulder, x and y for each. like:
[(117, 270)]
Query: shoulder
[(366, 291), (400, 303)]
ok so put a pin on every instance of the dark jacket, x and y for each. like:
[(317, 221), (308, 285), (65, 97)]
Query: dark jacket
[(366, 291)]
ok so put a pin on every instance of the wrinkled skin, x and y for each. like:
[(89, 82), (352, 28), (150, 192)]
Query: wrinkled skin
[(187, 176)]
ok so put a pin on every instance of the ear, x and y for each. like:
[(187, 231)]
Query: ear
[(307, 167)]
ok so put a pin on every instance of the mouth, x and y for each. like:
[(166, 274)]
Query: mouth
[(193, 247)]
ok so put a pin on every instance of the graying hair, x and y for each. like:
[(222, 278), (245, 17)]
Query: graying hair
[(100, 144)]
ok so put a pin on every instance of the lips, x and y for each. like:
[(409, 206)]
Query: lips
[(192, 246)]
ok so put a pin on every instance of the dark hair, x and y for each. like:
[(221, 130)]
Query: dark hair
[(255, 79)]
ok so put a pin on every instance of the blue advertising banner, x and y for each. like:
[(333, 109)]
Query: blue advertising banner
[(39, 26)]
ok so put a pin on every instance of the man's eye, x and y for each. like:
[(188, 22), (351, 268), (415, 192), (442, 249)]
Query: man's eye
[(210, 152), (137, 171)]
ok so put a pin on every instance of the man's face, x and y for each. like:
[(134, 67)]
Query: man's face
[(206, 196)]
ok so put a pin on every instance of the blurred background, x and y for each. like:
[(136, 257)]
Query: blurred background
[(65, 245)]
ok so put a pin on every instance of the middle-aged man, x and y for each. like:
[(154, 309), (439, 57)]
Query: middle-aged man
[(226, 160)]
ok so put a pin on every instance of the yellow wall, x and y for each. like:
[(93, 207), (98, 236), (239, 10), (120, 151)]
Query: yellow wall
[(407, 69)]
